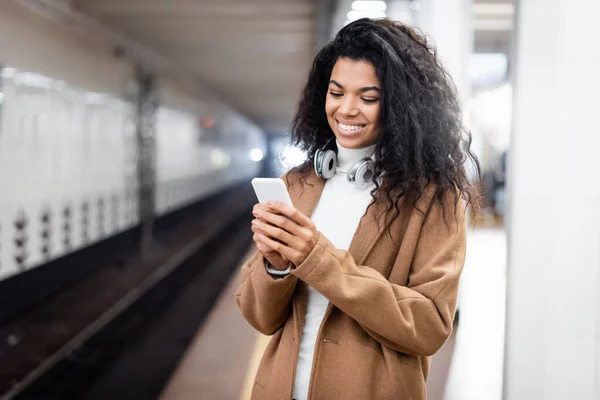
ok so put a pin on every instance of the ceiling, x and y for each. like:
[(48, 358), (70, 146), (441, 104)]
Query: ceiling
[(254, 53)]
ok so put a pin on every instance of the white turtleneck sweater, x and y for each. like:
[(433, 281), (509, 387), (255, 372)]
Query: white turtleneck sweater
[(336, 216)]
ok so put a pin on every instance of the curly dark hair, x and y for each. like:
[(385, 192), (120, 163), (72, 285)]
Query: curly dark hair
[(421, 139)]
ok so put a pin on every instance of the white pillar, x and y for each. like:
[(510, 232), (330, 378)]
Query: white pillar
[(553, 293), (449, 24)]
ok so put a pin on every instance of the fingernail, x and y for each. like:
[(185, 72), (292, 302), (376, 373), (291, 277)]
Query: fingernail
[(270, 203)]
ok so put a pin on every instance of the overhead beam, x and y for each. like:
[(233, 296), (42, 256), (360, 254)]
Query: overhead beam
[(499, 24), (493, 9)]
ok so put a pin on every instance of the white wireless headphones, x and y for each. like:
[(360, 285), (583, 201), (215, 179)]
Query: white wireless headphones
[(360, 174)]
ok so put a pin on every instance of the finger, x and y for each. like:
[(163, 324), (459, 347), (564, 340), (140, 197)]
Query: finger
[(261, 207), (291, 212), (301, 244), (263, 248), (273, 232), (282, 249), (278, 220), (257, 241), (258, 231)]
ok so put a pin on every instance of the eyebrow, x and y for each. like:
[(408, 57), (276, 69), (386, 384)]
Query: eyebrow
[(361, 90)]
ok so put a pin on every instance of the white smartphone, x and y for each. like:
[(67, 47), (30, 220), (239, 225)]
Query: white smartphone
[(271, 189)]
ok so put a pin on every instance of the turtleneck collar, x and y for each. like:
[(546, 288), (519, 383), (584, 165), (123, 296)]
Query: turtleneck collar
[(347, 157)]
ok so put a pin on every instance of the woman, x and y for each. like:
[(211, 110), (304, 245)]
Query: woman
[(358, 283)]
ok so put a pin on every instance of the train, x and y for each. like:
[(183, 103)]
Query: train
[(69, 143)]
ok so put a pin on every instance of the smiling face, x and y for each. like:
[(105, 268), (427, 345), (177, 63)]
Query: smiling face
[(352, 103)]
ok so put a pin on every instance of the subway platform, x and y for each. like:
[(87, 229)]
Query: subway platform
[(221, 362)]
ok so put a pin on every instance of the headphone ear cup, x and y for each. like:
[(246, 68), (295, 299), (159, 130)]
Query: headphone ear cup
[(361, 173), (318, 162), (328, 164)]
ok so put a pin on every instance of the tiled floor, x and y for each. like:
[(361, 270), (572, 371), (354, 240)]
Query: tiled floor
[(221, 363)]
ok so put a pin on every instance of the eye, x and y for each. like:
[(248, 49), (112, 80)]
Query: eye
[(370, 101), (336, 94)]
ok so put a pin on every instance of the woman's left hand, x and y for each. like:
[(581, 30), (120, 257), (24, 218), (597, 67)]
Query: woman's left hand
[(285, 230)]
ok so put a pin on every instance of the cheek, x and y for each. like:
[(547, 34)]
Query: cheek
[(329, 108), (373, 115)]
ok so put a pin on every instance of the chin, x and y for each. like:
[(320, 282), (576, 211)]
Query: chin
[(348, 143), (353, 142)]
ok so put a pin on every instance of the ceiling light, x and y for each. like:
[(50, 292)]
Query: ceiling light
[(256, 154), (369, 6)]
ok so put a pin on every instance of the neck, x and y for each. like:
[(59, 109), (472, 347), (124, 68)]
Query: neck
[(347, 157)]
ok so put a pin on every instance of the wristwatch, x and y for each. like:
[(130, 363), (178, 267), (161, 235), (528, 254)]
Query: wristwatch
[(275, 273)]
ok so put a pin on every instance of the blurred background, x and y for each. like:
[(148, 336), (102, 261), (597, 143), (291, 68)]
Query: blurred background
[(129, 132)]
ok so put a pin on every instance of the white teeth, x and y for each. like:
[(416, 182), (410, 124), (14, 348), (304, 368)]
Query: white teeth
[(350, 127)]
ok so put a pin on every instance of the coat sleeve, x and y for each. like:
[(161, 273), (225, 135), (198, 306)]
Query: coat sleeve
[(265, 302), (414, 319)]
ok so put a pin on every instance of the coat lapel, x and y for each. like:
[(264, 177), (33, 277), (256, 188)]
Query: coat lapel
[(305, 196), (370, 228)]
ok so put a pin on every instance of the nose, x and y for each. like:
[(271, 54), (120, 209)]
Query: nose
[(348, 106)]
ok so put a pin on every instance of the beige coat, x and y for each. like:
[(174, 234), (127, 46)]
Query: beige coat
[(392, 302)]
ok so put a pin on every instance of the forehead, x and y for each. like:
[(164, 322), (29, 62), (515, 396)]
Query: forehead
[(354, 73)]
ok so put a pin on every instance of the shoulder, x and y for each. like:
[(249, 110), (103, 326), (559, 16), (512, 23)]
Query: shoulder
[(432, 195), (431, 204), (443, 206)]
